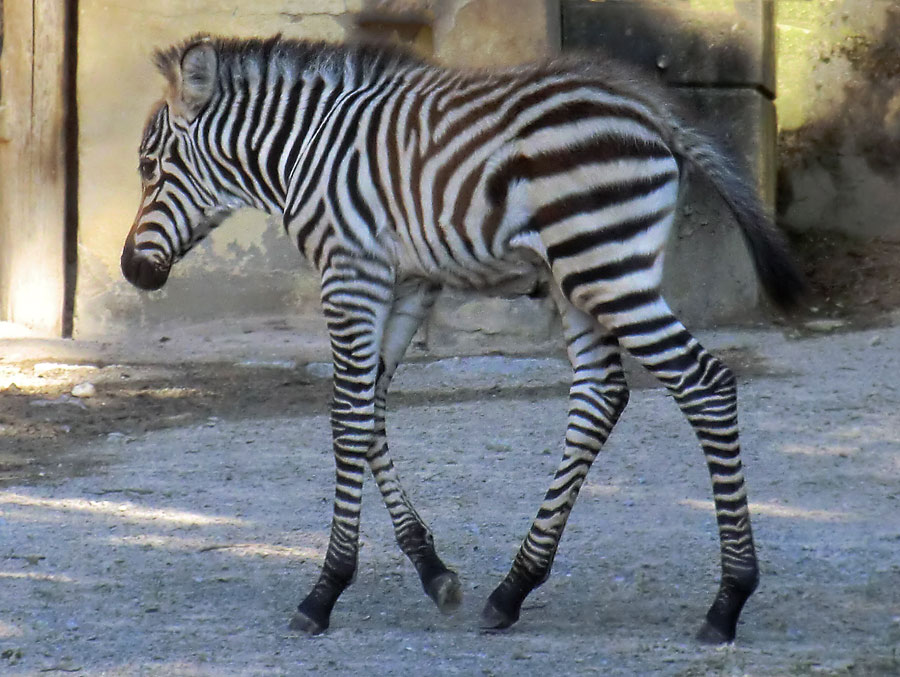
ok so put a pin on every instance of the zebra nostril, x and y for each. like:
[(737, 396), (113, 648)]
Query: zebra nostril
[(150, 277), (140, 271)]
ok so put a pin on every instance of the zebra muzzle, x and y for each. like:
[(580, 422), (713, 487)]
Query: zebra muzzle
[(141, 271)]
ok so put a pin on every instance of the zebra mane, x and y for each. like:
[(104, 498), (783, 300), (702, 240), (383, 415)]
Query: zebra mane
[(238, 54), (370, 60)]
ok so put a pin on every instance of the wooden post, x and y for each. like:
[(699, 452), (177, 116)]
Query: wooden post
[(32, 164)]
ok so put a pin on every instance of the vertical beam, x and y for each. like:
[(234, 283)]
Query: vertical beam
[(33, 165), (70, 101)]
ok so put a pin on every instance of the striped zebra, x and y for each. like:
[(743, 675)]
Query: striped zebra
[(395, 178)]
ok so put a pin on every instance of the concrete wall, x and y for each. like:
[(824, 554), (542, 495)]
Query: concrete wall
[(839, 114)]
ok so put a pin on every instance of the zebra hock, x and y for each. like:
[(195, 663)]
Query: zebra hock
[(396, 178)]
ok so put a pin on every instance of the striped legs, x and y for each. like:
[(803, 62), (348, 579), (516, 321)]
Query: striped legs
[(596, 399), (370, 329), (410, 307), (705, 390), (356, 301)]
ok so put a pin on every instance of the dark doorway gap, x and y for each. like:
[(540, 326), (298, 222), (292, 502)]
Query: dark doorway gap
[(70, 97)]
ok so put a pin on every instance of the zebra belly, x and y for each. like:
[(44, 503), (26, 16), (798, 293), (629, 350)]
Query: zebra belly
[(518, 271), (519, 282), (507, 278)]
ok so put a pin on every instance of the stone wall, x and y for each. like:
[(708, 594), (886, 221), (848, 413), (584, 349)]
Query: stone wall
[(839, 115)]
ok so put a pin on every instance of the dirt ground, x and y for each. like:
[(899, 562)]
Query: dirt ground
[(852, 279), (169, 524)]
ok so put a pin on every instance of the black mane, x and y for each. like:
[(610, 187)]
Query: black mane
[(304, 55)]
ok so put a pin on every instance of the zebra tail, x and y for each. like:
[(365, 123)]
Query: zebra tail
[(769, 250)]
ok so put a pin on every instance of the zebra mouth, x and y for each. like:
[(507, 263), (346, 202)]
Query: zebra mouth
[(142, 272)]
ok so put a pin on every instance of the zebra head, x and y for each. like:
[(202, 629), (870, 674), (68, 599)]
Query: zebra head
[(180, 202)]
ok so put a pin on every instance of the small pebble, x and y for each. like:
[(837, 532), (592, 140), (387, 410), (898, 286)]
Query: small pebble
[(321, 370), (824, 325), (271, 364), (84, 390)]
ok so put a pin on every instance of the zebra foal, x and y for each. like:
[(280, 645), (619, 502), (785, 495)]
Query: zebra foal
[(395, 178)]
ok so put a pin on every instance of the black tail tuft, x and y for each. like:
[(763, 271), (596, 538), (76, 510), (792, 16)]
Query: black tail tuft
[(777, 271)]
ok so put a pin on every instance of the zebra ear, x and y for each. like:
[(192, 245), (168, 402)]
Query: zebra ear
[(196, 80)]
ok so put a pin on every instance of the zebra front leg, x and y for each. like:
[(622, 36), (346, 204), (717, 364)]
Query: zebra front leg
[(596, 399), (411, 305), (356, 306), (705, 390)]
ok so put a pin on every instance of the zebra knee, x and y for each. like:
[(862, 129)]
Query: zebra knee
[(722, 377), (615, 394), (595, 407), (710, 379), (618, 394)]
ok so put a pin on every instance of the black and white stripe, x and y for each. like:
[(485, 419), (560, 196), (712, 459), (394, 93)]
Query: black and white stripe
[(396, 178)]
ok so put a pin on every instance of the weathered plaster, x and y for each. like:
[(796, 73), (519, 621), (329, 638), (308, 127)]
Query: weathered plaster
[(838, 103), (491, 33)]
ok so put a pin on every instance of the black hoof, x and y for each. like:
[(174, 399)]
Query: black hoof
[(709, 634), (721, 622), (493, 618), (303, 623), (446, 592)]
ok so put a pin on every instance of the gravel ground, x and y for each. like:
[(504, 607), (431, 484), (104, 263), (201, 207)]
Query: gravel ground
[(169, 524)]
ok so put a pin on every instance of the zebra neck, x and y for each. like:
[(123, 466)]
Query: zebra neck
[(330, 131), (261, 129)]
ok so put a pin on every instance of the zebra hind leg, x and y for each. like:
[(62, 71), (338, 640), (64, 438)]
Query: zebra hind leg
[(597, 397), (441, 584), (706, 393)]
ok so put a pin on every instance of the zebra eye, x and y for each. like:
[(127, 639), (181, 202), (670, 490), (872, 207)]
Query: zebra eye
[(147, 167)]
